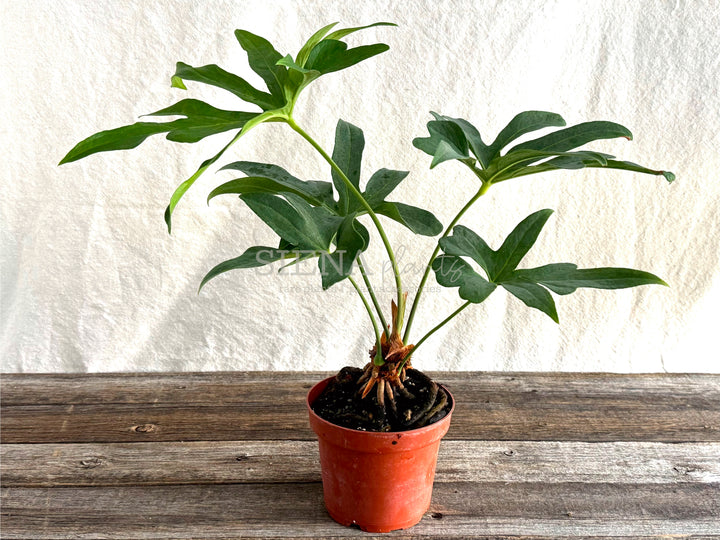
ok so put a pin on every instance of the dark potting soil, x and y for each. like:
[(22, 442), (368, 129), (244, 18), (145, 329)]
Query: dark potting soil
[(341, 403)]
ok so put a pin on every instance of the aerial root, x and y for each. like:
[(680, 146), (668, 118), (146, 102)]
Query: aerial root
[(404, 391), (439, 405), (391, 398), (429, 402), (381, 392), (365, 376)]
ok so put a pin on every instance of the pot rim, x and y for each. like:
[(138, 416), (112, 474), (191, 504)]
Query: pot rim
[(381, 434)]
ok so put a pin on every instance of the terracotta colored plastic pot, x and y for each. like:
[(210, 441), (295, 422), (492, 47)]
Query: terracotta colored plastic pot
[(378, 481)]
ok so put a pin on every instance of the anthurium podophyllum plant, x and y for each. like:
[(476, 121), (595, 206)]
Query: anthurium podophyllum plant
[(327, 220)]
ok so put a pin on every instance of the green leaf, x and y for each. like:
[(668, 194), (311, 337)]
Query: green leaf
[(347, 154), (202, 120), (498, 265), (339, 34), (525, 122), (303, 53), (628, 166), (512, 164), (293, 219), (177, 82), (452, 271), (445, 152), (268, 116), (581, 161), (381, 184), (278, 179), (331, 55), (416, 219), (465, 243), (532, 295), (352, 239), (565, 278), (259, 184), (122, 138), (252, 258), (573, 137), (289, 63), (182, 188), (518, 243), (263, 59), (526, 284), (447, 141), (216, 76), (481, 151)]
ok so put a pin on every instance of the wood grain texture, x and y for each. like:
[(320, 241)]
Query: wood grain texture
[(229, 455), (234, 462), (213, 387), (458, 509), (219, 406)]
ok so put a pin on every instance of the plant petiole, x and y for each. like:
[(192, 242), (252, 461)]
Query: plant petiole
[(378, 354), (373, 216), (416, 301), (430, 333)]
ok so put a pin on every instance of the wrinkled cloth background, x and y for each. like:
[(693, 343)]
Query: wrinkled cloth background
[(91, 281)]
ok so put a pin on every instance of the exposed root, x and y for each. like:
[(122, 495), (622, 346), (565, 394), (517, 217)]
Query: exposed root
[(404, 392), (391, 398), (440, 403), (381, 393), (426, 406), (388, 380), (365, 376), (368, 386), (389, 388)]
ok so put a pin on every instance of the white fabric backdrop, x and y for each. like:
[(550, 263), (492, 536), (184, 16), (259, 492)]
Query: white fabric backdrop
[(91, 281)]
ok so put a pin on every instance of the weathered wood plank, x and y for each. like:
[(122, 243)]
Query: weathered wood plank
[(223, 387), (207, 388), (47, 465), (504, 417), (296, 510), (143, 423)]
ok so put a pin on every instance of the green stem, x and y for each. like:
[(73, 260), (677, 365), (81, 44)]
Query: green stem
[(368, 209), (379, 312), (483, 189), (430, 333), (372, 319)]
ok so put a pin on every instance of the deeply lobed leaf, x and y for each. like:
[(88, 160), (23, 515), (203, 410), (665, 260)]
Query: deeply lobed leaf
[(455, 138), (202, 120), (284, 80), (381, 184), (528, 285)]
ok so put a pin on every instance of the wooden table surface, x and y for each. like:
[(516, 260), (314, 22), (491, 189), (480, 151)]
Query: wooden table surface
[(230, 455)]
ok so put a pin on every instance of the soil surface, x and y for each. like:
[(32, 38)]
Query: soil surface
[(341, 403)]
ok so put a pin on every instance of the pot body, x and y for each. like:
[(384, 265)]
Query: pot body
[(378, 481)]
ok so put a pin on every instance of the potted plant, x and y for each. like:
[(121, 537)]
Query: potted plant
[(379, 426)]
